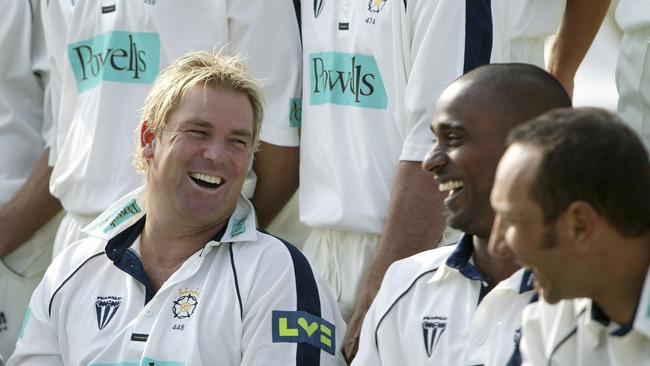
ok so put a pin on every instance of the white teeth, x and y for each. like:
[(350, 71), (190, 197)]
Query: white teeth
[(451, 185), (206, 178)]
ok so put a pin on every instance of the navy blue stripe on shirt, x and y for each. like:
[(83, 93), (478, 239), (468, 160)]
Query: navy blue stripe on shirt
[(478, 33), (307, 300), (234, 272), (66, 280)]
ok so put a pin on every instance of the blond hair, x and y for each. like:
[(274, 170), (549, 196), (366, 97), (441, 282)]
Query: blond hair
[(212, 70)]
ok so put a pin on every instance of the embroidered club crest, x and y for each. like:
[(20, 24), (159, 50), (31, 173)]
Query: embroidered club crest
[(185, 305), (375, 6), (106, 307), (432, 330), (318, 7)]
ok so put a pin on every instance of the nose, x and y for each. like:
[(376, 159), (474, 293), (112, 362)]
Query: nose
[(497, 246), (214, 151), (434, 160)]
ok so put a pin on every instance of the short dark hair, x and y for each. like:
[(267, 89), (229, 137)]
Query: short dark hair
[(588, 154)]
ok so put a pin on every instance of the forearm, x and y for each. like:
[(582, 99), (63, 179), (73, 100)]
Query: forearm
[(30, 209), (276, 168), (581, 21), (415, 223)]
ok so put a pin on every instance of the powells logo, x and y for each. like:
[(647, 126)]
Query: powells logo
[(125, 57), (346, 79), (301, 326), (432, 330), (106, 307), (185, 305), (375, 6)]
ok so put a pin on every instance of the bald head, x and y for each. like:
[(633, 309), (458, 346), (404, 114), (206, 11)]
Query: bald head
[(518, 92)]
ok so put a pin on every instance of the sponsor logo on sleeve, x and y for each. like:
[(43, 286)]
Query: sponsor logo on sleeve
[(295, 112), (303, 327), (432, 330), (106, 307), (346, 79), (124, 57)]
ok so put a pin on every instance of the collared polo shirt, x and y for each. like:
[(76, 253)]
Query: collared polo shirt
[(577, 332), (435, 308), (245, 298)]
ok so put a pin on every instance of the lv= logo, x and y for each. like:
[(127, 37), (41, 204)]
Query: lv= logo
[(303, 327)]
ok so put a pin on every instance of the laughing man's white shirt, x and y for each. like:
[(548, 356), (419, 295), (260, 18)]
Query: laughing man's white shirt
[(578, 333), (245, 298), (432, 308)]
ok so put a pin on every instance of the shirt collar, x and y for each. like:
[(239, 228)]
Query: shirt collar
[(460, 259), (640, 321), (131, 210)]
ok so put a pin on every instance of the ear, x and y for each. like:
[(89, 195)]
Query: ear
[(581, 223), (147, 138)]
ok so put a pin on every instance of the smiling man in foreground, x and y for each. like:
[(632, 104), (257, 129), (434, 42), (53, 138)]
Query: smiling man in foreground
[(457, 305), (572, 203), (176, 273)]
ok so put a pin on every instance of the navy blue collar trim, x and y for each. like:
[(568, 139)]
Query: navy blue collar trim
[(459, 259), (598, 314), (527, 282)]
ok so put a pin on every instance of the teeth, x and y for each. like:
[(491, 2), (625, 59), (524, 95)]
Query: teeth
[(451, 185), (206, 178)]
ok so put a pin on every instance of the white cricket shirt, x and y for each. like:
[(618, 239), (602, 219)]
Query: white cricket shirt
[(633, 14), (24, 127), (245, 298), (106, 55), (578, 333), (372, 73), (434, 309)]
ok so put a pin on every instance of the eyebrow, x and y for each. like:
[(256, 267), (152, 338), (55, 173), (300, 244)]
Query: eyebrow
[(446, 125)]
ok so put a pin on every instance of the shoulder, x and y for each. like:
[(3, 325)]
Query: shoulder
[(406, 274)]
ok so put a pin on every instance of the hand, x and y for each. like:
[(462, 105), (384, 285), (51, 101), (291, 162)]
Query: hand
[(350, 344)]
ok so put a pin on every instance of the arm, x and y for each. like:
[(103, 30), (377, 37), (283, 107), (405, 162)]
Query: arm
[(415, 223), (266, 33), (30, 209), (277, 179), (582, 19)]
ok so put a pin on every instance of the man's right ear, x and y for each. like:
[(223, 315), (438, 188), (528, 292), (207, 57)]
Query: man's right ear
[(147, 138)]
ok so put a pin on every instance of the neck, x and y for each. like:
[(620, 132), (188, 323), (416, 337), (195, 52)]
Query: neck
[(496, 269), (622, 282)]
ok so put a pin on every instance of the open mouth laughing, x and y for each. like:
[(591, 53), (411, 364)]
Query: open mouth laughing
[(206, 180)]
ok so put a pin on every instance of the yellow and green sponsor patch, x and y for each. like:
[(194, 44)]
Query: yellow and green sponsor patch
[(303, 327)]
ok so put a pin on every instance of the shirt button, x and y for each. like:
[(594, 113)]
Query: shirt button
[(148, 313), (480, 340)]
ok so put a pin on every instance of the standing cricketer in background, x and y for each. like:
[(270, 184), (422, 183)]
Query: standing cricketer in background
[(579, 27), (175, 272), (28, 212), (105, 56), (457, 305), (572, 203)]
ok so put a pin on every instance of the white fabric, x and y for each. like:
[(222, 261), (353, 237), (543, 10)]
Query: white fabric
[(238, 284), (427, 312), (633, 14), (633, 81), (567, 334), (341, 258), (23, 78), (20, 273), (105, 57), (70, 231)]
